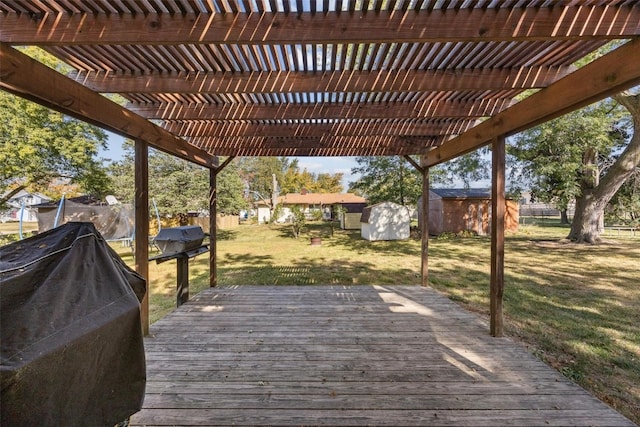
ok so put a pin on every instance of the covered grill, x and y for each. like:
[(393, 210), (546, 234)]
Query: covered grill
[(71, 347), (176, 240), (180, 243)]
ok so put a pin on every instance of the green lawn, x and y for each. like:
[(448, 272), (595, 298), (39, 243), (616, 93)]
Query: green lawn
[(576, 307)]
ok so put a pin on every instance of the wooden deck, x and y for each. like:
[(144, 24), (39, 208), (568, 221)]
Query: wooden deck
[(361, 355)]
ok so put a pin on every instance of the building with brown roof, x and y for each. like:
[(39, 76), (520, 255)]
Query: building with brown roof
[(324, 202)]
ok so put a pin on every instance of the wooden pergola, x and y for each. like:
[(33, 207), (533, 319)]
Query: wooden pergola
[(209, 78)]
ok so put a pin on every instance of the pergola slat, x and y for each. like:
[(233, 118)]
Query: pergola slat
[(321, 146), (234, 130), (380, 110), (346, 81)]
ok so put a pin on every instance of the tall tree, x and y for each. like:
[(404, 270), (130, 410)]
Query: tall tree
[(597, 190), (329, 183), (469, 168), (178, 186), (387, 179), (394, 179), (258, 172), (624, 207), (563, 160), (39, 146)]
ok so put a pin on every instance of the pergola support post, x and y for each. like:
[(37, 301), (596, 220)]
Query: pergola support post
[(213, 197), (141, 237), (213, 227), (424, 222), (498, 207)]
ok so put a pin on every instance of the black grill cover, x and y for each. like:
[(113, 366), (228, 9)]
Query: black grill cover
[(71, 343)]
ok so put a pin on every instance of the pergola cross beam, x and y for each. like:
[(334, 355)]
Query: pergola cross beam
[(329, 82), (390, 26)]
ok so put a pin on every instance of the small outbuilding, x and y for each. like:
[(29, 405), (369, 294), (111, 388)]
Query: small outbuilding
[(385, 221), (452, 210)]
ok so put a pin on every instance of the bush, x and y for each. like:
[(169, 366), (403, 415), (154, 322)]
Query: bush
[(316, 215), (298, 221)]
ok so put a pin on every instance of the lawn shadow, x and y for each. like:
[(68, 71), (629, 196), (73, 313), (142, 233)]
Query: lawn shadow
[(226, 234), (354, 242), (306, 271)]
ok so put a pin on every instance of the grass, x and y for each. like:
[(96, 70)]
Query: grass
[(576, 307), (10, 231)]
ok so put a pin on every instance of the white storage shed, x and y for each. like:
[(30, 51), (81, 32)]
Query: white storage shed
[(385, 221)]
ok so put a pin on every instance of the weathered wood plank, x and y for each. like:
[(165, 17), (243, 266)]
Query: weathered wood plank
[(388, 110), (323, 387), (332, 399), (418, 417), (347, 81), (498, 208), (332, 355), (442, 25)]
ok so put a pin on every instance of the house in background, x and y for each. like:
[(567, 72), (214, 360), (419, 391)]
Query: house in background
[(310, 202), (26, 199), (385, 221), (452, 210)]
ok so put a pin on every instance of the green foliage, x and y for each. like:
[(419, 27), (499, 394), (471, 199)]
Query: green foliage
[(316, 215), (298, 221), (178, 186), (624, 207), (257, 173), (552, 158), (394, 179), (462, 234), (391, 179), (39, 146), (230, 191), (277, 212), (384, 179), (468, 168)]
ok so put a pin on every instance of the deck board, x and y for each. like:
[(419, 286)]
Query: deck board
[(337, 355)]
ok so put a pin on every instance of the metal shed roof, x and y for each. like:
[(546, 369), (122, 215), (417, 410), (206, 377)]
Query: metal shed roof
[(462, 193), (325, 78)]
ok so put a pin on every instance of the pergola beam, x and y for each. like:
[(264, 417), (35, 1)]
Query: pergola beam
[(395, 26), (320, 146), (379, 110), (335, 81), (234, 131), (608, 75), (30, 79)]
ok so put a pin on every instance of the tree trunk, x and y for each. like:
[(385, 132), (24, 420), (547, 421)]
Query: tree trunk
[(5, 198), (585, 227), (588, 220), (564, 218)]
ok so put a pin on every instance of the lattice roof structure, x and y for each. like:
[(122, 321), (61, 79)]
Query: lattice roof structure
[(320, 78)]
